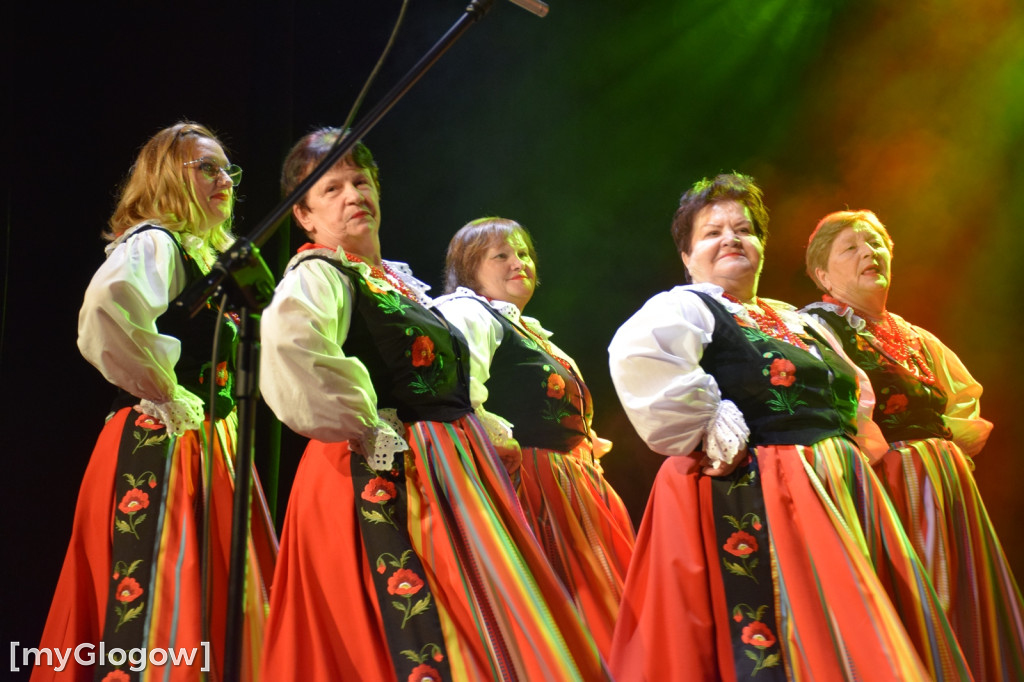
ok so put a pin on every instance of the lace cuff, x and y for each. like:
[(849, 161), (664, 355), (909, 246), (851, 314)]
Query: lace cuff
[(380, 443), (183, 412), (726, 435)]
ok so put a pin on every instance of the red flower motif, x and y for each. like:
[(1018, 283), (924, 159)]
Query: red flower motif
[(128, 590), (378, 491), (737, 616), (381, 567), (116, 676), (403, 581), (783, 372), (756, 525), (424, 673), (422, 352), (895, 404), (758, 634), (133, 501), (152, 482), (740, 543), (147, 422), (221, 376), (438, 656), (556, 386), (117, 574)]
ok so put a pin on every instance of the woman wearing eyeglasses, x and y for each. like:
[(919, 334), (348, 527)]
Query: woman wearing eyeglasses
[(148, 561)]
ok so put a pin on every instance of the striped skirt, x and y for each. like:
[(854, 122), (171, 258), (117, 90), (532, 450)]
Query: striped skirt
[(584, 528), (784, 570), (934, 493), (462, 592), (133, 574)]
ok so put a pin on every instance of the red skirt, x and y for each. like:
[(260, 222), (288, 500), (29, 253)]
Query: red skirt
[(165, 608), (503, 613), (824, 517)]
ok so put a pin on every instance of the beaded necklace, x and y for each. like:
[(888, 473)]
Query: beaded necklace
[(891, 339), (768, 321), (384, 274)]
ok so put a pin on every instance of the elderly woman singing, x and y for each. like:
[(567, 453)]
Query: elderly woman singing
[(927, 408)]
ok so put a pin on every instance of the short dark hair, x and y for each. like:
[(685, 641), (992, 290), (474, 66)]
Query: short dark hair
[(308, 152), (470, 243), (723, 187)]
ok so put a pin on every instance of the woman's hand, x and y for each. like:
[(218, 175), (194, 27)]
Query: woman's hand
[(718, 468)]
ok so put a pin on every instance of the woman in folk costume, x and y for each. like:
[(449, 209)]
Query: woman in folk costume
[(405, 554), (927, 405), (148, 562), (537, 409)]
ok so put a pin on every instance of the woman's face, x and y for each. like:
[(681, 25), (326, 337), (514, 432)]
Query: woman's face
[(724, 249), (858, 265), (343, 209), (506, 272), (215, 196)]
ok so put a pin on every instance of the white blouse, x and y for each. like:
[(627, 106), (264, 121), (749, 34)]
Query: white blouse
[(305, 376), (117, 331)]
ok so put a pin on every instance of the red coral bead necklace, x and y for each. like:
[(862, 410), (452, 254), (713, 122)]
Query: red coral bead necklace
[(891, 339), (768, 321)]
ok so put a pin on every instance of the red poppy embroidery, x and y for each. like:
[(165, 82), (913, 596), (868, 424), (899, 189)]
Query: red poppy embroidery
[(422, 352), (783, 372), (378, 490), (424, 673), (895, 404), (133, 501), (116, 676), (146, 422), (221, 376), (556, 386), (740, 544), (737, 616), (758, 634), (403, 582), (438, 656), (128, 590)]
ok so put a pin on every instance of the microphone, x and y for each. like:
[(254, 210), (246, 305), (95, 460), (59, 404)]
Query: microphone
[(533, 6)]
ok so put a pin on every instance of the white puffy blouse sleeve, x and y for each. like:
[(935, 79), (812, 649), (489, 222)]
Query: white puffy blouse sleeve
[(117, 324), (963, 403), (654, 360), (305, 377)]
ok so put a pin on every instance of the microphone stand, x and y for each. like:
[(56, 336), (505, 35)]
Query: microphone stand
[(244, 277)]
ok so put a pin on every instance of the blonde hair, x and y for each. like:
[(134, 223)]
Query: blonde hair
[(159, 188)]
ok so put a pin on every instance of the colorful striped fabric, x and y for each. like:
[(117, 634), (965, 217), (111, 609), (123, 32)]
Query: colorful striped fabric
[(933, 491), (504, 613)]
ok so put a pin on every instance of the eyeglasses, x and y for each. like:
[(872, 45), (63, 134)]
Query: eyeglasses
[(211, 170)]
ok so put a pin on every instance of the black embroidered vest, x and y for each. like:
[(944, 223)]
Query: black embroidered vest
[(786, 394), (547, 403), (418, 364), (906, 408)]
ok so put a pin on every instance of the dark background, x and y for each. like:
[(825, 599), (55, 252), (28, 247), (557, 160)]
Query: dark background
[(585, 126)]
